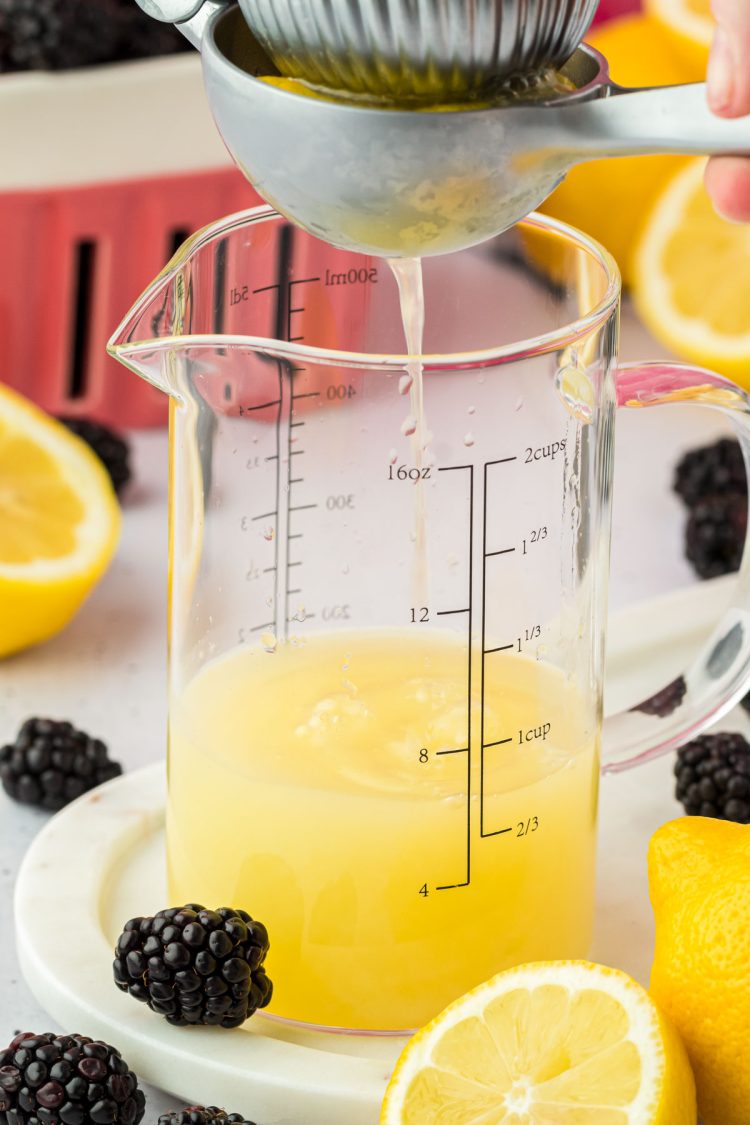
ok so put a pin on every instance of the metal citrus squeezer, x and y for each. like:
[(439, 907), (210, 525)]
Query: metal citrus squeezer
[(403, 181)]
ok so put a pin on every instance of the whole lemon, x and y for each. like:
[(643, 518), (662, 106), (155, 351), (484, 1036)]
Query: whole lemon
[(609, 199), (699, 876)]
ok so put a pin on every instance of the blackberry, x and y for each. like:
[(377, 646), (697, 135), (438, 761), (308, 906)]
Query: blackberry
[(195, 966), (67, 1080), (52, 763), (719, 467), (664, 702), (57, 34), (110, 447), (713, 777), (715, 534), (203, 1115)]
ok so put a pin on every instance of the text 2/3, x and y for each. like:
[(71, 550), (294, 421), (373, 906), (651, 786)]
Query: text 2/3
[(536, 535), (409, 472), (526, 827)]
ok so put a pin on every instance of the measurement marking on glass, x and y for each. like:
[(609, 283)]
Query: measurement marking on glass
[(469, 611), (485, 652), (293, 308), (268, 625), (264, 516), (263, 406)]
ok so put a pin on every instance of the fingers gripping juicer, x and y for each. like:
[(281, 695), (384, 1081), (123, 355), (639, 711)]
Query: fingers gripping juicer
[(405, 182), (386, 653)]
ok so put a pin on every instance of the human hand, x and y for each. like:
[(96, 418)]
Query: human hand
[(728, 177)]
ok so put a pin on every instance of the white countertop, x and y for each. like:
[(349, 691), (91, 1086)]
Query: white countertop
[(106, 672)]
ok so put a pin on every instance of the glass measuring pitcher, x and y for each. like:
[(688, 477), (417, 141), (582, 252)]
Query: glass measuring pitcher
[(386, 662)]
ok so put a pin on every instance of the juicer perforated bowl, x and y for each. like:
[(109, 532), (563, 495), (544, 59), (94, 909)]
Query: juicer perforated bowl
[(406, 182)]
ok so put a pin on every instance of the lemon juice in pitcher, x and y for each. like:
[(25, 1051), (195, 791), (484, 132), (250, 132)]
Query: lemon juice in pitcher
[(337, 768)]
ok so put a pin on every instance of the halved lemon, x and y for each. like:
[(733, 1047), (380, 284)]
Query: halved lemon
[(691, 274), (59, 523), (690, 27), (552, 1043)]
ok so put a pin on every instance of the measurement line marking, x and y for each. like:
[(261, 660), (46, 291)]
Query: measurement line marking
[(298, 310), (290, 592), (500, 648), (452, 886), (463, 750), (273, 457), (307, 394), (263, 406), (455, 469), (303, 281), (500, 742), (295, 339), (302, 508), (291, 564), (449, 612), (296, 452), (492, 554), (297, 535), (267, 288), (297, 480), (268, 625), (296, 424), (498, 832), (264, 516), (502, 461), (270, 570)]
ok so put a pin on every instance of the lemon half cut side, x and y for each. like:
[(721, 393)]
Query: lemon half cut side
[(552, 1043), (59, 523)]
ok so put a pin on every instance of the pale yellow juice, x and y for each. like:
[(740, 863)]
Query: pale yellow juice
[(323, 788)]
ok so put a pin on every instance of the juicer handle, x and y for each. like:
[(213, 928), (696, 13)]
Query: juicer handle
[(720, 675), (189, 16), (656, 120)]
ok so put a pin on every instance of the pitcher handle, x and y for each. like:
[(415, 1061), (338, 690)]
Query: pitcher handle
[(189, 16), (718, 677)]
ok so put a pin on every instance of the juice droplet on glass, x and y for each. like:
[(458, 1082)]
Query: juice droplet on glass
[(468, 439), (269, 534), (269, 642), (472, 410), (405, 384), (409, 426), (392, 457)]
